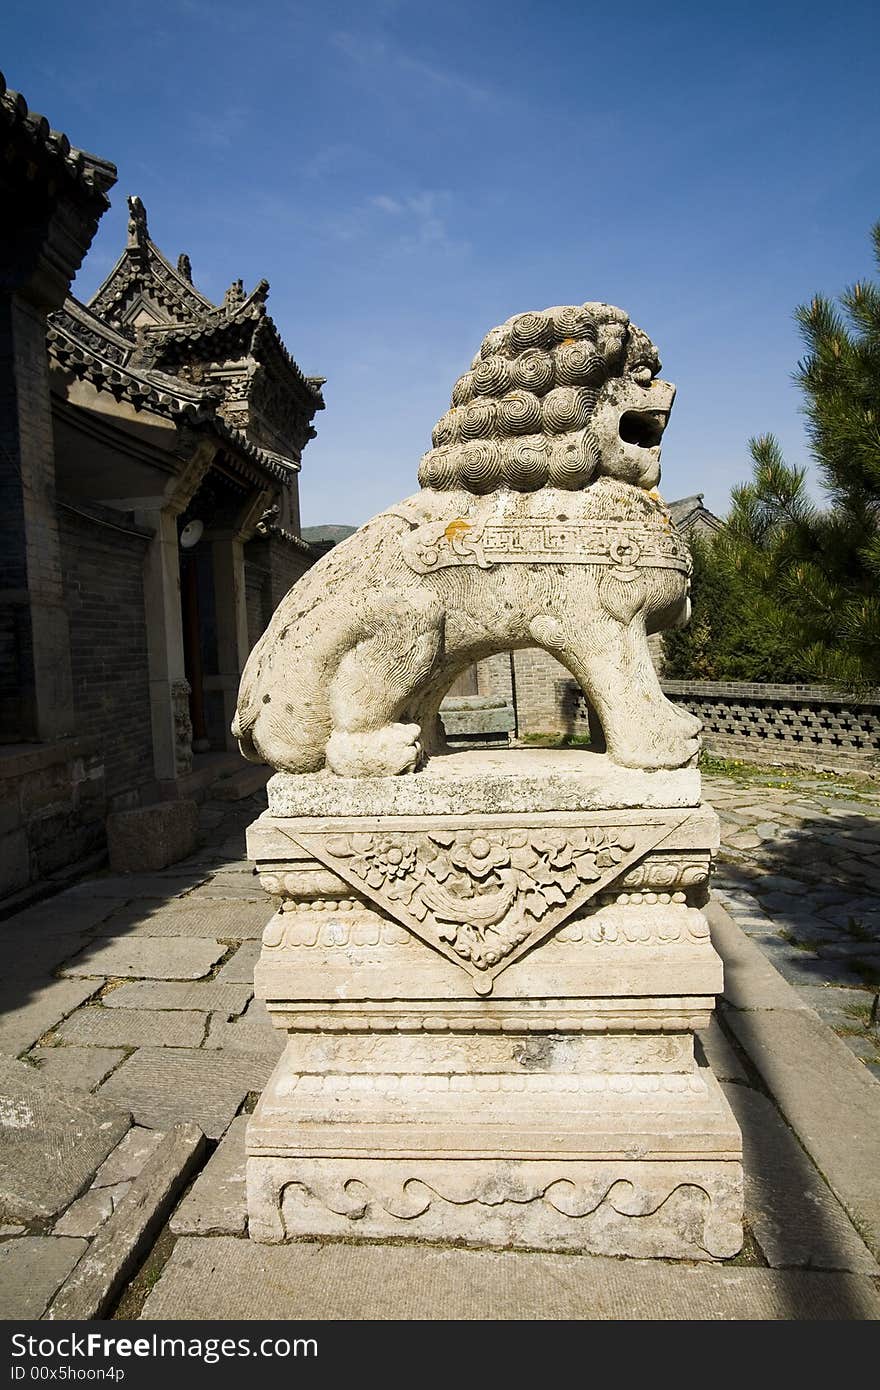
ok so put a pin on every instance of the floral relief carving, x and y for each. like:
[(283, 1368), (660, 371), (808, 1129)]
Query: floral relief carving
[(482, 893)]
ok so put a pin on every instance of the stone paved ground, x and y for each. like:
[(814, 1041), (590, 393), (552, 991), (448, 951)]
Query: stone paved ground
[(139, 989), (799, 871)]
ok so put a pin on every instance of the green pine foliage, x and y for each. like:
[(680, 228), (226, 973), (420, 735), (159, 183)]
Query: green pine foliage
[(789, 591)]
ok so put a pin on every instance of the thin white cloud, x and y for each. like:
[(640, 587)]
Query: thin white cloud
[(372, 53)]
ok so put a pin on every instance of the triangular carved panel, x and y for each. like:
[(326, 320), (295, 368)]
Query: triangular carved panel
[(485, 896)]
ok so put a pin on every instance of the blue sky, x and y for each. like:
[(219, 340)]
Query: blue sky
[(408, 174)]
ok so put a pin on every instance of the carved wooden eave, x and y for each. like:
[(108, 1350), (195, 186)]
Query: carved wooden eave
[(83, 346)]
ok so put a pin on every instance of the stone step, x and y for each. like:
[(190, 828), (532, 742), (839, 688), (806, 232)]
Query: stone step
[(247, 781)]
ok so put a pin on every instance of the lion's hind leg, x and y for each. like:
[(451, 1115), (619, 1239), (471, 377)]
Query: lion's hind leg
[(376, 680)]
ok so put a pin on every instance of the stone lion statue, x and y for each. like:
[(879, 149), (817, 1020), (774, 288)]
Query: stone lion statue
[(537, 525)]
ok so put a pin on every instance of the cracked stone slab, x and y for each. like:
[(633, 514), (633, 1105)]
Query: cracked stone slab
[(29, 1011), (87, 1213), (210, 996), (134, 1027), (146, 958), (77, 1068), (223, 1277), (51, 1141), (252, 1032), (164, 1086), (126, 1236), (216, 1204), (32, 1268), (239, 969), (794, 1216), (129, 1156)]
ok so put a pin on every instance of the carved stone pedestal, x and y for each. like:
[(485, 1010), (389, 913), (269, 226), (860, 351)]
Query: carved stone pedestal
[(491, 973)]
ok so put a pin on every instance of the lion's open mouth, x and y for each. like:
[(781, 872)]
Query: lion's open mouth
[(643, 427)]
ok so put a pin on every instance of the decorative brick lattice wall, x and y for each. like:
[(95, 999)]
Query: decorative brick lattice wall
[(806, 724)]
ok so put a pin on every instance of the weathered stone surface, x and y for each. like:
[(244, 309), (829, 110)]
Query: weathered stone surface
[(791, 1211), (481, 780), (535, 518), (27, 1011), (52, 1142), (129, 1157), (252, 1032), (131, 886), (216, 1204), (120, 1242), (179, 958), (218, 919), (31, 1269), (77, 1068), (224, 1277), (87, 1213), (165, 1086), (830, 1100), (719, 1054), (151, 837), (239, 969), (750, 981), (61, 915), (134, 1027), (211, 996)]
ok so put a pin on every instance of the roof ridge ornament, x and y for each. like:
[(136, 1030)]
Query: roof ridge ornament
[(184, 267), (234, 296), (138, 235)]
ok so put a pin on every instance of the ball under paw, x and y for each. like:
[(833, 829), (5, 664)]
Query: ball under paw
[(383, 752)]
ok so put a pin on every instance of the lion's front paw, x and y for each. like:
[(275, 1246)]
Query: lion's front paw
[(383, 752)]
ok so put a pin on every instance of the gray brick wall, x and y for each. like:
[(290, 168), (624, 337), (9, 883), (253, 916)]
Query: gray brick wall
[(104, 596)]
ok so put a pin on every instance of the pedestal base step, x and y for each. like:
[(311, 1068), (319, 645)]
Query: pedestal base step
[(679, 1209)]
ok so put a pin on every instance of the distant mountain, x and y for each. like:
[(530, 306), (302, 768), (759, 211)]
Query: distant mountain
[(315, 535)]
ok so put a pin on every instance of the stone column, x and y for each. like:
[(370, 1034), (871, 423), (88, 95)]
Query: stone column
[(230, 599), (168, 684)]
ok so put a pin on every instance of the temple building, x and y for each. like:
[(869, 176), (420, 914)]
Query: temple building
[(152, 442)]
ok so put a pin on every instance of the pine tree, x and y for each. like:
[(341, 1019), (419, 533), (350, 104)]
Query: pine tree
[(790, 591)]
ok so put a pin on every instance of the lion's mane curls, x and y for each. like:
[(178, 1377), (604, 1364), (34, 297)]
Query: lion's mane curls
[(520, 417)]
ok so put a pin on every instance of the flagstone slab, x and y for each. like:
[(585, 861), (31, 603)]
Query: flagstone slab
[(134, 1027), (164, 1086), (239, 969), (216, 1204), (123, 1240), (829, 1098), (208, 996), (77, 1068), (32, 1268), (791, 1211), (252, 1032), (129, 1157), (719, 1053), (181, 958), (217, 918), (222, 1277), (29, 1010), (51, 1141), (132, 886)]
